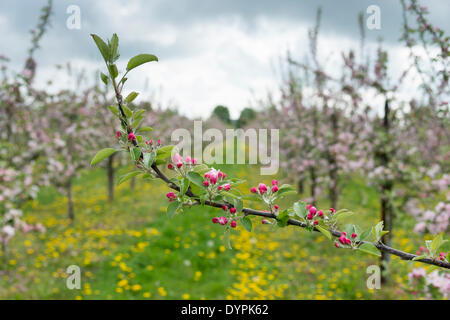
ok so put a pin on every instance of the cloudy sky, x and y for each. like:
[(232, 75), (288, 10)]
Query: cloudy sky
[(211, 52)]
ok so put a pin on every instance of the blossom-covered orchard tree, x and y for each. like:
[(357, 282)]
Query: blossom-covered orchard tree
[(21, 147), (195, 184)]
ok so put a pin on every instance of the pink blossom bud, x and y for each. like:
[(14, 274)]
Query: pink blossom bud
[(151, 142), (308, 206), (171, 196), (310, 216), (194, 161), (188, 159), (118, 134), (348, 241), (179, 165), (233, 210), (354, 235), (147, 142), (215, 220), (170, 166), (342, 239), (336, 245), (223, 221), (224, 208), (265, 221), (312, 210), (332, 210), (233, 224), (274, 182), (159, 142), (206, 183), (344, 234), (253, 190), (131, 136), (275, 188), (316, 222), (219, 188), (226, 187), (320, 213), (262, 188), (276, 207)]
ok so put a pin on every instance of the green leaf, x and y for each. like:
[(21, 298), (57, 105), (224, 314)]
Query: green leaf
[(145, 129), (300, 209), (131, 97), (229, 194), (102, 154), (438, 241), (324, 231), (172, 208), (285, 190), (127, 111), (370, 249), (149, 158), (419, 257), (195, 178), (128, 176), (164, 152), (113, 71), (342, 214), (184, 185), (365, 234), (114, 44), (102, 46), (114, 110), (104, 78), (247, 224), (238, 204), (140, 59), (201, 168), (135, 153), (283, 218)]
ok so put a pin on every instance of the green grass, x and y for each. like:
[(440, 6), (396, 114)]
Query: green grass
[(130, 250)]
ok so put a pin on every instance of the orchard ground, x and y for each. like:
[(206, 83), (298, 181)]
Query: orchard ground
[(130, 250)]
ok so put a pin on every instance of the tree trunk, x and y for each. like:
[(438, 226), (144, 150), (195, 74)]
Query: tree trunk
[(386, 205), (332, 164), (70, 211), (110, 174), (300, 185), (312, 172)]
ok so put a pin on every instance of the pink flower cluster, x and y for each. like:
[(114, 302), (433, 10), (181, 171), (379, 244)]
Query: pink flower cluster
[(171, 196), (224, 221), (262, 188), (177, 160)]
